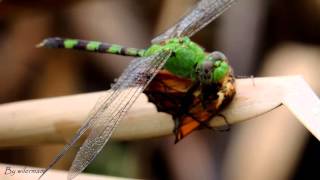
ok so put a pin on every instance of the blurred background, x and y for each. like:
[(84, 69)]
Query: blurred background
[(260, 38)]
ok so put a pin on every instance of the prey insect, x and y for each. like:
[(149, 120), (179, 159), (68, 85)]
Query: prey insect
[(176, 74)]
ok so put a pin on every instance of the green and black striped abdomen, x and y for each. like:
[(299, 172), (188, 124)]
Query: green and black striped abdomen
[(91, 46)]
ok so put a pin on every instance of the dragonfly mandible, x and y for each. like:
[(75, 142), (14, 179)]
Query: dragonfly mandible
[(175, 73)]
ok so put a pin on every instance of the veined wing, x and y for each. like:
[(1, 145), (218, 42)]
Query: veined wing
[(110, 109), (205, 12), (129, 86)]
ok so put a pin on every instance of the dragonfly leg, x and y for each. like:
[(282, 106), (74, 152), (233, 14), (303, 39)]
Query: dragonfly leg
[(176, 125), (176, 129), (252, 79), (245, 77), (226, 126)]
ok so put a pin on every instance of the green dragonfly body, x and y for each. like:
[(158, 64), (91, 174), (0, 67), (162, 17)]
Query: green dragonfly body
[(208, 75), (188, 59)]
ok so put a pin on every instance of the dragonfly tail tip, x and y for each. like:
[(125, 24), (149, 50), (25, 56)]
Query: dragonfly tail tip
[(41, 44)]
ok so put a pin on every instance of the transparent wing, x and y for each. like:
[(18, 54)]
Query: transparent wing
[(111, 107), (104, 100), (205, 12), (127, 89)]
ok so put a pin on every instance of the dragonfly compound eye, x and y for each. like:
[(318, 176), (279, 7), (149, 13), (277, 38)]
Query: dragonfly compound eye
[(217, 55), (205, 70), (213, 69)]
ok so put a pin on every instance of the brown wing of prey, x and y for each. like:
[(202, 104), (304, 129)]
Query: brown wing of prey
[(189, 103)]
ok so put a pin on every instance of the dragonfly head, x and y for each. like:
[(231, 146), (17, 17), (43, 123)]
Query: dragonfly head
[(213, 69)]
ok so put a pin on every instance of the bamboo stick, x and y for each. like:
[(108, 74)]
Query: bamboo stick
[(54, 120)]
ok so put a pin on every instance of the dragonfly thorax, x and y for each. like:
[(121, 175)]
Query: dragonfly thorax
[(189, 60), (185, 57)]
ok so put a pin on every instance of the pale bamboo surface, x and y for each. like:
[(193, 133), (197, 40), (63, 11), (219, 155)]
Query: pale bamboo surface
[(15, 172), (276, 142), (54, 120)]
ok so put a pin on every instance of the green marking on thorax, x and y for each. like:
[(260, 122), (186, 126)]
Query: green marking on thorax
[(114, 49), (93, 46), (70, 43), (185, 56)]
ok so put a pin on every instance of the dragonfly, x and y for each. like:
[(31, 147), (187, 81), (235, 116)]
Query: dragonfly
[(176, 74)]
